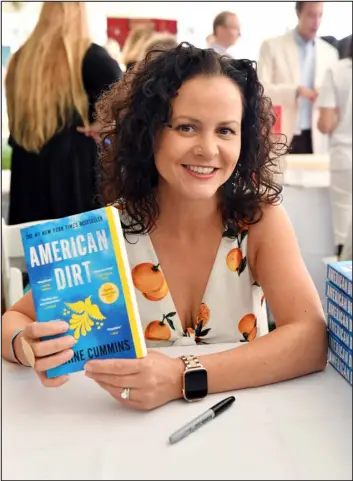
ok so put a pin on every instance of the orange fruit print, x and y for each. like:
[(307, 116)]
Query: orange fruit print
[(235, 261), (247, 326), (157, 295), (156, 331), (149, 280), (159, 330), (203, 315)]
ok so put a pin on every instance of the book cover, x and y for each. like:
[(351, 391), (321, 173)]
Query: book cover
[(339, 315), (338, 297), (79, 272), (340, 350), (340, 366), (340, 332), (340, 274)]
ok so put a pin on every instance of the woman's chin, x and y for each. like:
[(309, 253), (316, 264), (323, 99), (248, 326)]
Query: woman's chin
[(199, 193)]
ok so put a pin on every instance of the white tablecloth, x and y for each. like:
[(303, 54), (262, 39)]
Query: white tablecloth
[(300, 429)]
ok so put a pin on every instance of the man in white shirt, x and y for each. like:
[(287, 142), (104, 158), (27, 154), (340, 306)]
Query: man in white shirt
[(226, 31), (291, 68), (335, 107)]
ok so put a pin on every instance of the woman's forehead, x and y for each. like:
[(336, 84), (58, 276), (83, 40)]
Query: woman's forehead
[(210, 95)]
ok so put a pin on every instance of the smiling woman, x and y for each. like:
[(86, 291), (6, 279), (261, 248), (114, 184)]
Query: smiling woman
[(190, 163), (158, 100)]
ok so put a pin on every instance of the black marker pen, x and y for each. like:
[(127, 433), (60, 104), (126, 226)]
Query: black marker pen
[(201, 420)]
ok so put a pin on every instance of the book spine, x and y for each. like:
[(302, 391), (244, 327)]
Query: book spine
[(340, 316), (340, 366), (342, 334), (337, 296), (125, 285), (340, 350), (339, 280)]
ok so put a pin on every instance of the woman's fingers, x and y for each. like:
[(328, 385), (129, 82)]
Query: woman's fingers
[(37, 330), (116, 393), (122, 382), (45, 363), (53, 346), (54, 382), (116, 367)]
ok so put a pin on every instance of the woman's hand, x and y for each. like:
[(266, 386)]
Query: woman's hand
[(153, 381), (48, 354), (92, 130)]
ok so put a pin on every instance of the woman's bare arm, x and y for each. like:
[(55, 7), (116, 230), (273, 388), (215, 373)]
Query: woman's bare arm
[(328, 120), (298, 345), (17, 317)]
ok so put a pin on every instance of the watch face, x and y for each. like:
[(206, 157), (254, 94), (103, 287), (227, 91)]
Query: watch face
[(195, 384)]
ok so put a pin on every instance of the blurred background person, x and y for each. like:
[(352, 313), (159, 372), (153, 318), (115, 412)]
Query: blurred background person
[(210, 39), (226, 31), (291, 68), (331, 40), (335, 107), (112, 46), (135, 45), (52, 84), (344, 47), (158, 40)]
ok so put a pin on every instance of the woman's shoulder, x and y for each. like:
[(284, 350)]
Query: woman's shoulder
[(274, 219), (95, 52)]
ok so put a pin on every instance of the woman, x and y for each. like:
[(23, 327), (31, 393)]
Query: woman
[(335, 118), (52, 84), (158, 41), (191, 156), (135, 44)]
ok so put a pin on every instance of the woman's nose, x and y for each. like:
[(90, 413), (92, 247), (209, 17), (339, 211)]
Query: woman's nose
[(208, 147)]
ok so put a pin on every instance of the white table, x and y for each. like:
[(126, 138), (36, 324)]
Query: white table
[(299, 430)]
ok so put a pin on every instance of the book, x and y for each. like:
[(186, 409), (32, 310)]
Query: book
[(340, 275), (339, 298), (340, 332), (340, 366), (340, 350), (79, 272), (339, 315)]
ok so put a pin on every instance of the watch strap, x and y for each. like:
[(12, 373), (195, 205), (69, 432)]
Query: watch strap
[(191, 362)]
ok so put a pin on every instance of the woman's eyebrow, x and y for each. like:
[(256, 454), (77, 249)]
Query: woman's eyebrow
[(193, 119)]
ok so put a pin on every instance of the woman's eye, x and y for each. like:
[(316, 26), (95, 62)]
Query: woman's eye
[(186, 128), (226, 131)]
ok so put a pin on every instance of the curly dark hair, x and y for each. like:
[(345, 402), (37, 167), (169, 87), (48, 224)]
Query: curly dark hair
[(136, 109)]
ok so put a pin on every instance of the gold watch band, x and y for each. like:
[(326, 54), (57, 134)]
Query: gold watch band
[(191, 362)]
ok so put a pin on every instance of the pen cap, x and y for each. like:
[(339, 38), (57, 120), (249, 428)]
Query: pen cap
[(222, 405)]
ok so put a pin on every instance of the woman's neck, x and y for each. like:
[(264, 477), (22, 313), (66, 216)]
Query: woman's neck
[(185, 217)]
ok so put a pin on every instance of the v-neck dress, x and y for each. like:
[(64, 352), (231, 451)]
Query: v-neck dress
[(233, 306)]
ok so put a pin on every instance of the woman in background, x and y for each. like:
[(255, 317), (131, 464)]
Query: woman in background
[(135, 45), (335, 104), (157, 41), (52, 84)]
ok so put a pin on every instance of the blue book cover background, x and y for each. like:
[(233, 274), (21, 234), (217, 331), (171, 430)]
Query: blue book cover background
[(74, 276), (340, 274)]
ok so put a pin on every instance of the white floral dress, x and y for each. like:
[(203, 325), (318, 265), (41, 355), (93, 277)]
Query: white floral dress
[(232, 308)]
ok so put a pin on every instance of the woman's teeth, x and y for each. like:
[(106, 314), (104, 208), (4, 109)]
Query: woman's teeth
[(200, 170)]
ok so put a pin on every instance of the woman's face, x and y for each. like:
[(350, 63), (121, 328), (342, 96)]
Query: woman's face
[(197, 153)]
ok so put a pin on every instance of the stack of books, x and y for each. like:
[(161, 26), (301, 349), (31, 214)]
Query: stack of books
[(339, 316)]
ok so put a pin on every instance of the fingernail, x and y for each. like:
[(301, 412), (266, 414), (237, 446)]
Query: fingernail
[(87, 367), (64, 325)]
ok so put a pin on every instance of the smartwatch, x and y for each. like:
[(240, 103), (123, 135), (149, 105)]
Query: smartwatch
[(195, 386)]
